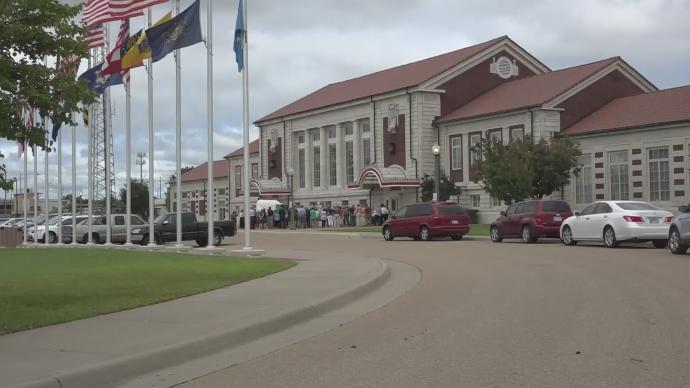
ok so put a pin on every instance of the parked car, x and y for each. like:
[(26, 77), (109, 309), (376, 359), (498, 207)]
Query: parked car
[(118, 229), (530, 220), (679, 232), (38, 233), (422, 221), (165, 230), (614, 222)]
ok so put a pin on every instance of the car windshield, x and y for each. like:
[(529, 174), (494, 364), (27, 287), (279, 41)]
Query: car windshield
[(54, 220), (451, 210), (556, 206), (636, 206), (160, 219)]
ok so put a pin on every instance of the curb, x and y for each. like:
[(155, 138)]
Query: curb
[(111, 373)]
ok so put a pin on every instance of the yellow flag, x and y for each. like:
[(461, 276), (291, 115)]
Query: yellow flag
[(140, 49)]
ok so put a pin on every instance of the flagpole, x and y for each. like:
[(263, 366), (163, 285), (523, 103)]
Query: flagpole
[(34, 151), (209, 78), (108, 187), (74, 183), (178, 140), (59, 151), (89, 134), (128, 151), (152, 239), (245, 122), (26, 183), (45, 197)]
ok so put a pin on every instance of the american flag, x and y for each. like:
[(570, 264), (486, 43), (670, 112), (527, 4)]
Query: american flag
[(95, 36), (28, 117), (68, 65), (100, 11)]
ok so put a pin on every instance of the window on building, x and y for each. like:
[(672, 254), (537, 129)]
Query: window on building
[(255, 170), (349, 162), (495, 202), (476, 200), (315, 135), (238, 178), (332, 166), (331, 132), (300, 138), (221, 191), (618, 175), (317, 166), (302, 169), (517, 133), (456, 153), (366, 151), (475, 153), (659, 176), (583, 182), (364, 125), (348, 129), (495, 135)]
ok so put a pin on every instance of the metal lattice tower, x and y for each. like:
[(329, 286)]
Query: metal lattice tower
[(102, 127)]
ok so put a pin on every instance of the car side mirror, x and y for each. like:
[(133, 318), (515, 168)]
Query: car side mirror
[(577, 214), (503, 214), (684, 209)]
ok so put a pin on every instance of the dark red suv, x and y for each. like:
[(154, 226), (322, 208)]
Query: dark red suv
[(422, 221), (531, 220)]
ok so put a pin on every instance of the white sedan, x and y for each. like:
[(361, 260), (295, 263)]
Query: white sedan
[(618, 221)]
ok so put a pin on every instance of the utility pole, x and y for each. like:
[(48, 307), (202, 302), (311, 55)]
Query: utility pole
[(141, 161)]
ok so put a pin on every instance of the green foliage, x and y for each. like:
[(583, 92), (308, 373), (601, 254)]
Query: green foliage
[(526, 169), (5, 184), (186, 169), (447, 188), (140, 198), (31, 31)]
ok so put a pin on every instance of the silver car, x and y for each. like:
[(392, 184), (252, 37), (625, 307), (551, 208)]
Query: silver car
[(118, 229), (679, 234)]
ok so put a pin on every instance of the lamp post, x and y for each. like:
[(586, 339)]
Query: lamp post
[(436, 151), (291, 173), (16, 198)]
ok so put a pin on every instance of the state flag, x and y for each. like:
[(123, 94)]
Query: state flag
[(97, 82), (181, 31), (139, 46)]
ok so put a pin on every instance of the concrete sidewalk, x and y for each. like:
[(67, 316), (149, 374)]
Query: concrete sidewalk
[(109, 349)]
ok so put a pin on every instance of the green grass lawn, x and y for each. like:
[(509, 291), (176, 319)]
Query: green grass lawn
[(475, 229), (40, 287)]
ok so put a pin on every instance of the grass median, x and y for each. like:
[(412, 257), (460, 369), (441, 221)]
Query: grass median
[(40, 287), (475, 229)]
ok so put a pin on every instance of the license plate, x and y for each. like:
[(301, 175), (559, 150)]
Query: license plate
[(557, 218), (653, 220), (454, 222)]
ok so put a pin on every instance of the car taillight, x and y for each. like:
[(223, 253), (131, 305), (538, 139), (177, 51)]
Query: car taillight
[(668, 219), (636, 219)]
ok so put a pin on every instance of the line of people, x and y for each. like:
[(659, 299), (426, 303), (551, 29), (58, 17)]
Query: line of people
[(313, 217)]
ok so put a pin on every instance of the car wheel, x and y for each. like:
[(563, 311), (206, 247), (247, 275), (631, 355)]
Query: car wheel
[(456, 237), (495, 235), (217, 238), (675, 244), (660, 244), (387, 234), (95, 238), (145, 240), (527, 237), (201, 243), (424, 233), (610, 237), (52, 238), (567, 236), (85, 239)]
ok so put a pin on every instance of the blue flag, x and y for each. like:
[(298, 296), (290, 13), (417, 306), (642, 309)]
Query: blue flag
[(181, 31), (238, 46), (97, 82)]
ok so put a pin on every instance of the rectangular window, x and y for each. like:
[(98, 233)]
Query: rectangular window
[(364, 125), (495, 202), (349, 162), (517, 133), (456, 153), (255, 170), (495, 135), (238, 177), (302, 178), (475, 153), (315, 135), (331, 132), (317, 166), (332, 166), (476, 200), (618, 175), (659, 175), (583, 182), (348, 129), (366, 151)]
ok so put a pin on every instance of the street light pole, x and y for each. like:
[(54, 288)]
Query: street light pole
[(436, 151)]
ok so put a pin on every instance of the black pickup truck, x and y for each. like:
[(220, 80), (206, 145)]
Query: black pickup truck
[(165, 230)]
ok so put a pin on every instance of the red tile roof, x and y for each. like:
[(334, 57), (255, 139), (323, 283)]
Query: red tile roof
[(527, 92), (200, 172), (253, 149), (661, 107), (396, 78)]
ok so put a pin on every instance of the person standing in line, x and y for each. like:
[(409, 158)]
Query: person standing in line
[(312, 217), (269, 218), (329, 216), (252, 217), (301, 213), (281, 217), (276, 218), (384, 213), (324, 217)]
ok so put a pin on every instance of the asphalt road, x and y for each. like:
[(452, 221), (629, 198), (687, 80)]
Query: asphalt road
[(496, 315)]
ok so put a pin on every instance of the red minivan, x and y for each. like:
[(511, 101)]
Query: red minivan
[(531, 220), (422, 221)]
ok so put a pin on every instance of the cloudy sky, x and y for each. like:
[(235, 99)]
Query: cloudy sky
[(299, 46)]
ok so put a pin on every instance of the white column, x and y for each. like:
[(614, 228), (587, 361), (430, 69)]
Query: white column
[(356, 149), (308, 161), (323, 139), (339, 156)]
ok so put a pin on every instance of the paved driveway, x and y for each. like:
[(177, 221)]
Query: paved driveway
[(495, 315)]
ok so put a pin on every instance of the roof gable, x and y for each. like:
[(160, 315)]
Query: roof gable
[(253, 149), (200, 172), (645, 109), (527, 92), (396, 78)]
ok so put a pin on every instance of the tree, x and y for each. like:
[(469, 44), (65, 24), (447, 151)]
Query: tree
[(32, 31), (526, 169), (446, 188), (186, 169), (140, 198)]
